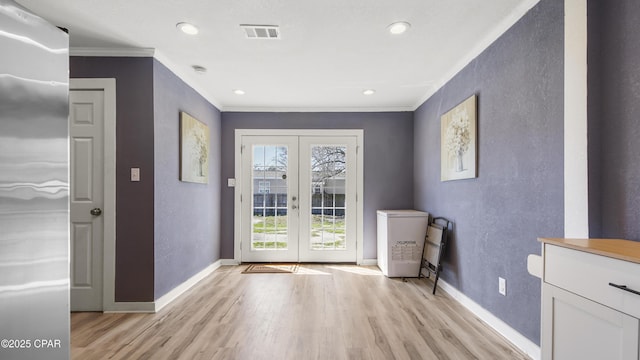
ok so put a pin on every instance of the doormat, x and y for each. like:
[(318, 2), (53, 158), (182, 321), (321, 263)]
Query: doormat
[(271, 268)]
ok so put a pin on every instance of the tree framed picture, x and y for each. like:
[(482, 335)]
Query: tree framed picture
[(194, 150), (458, 141)]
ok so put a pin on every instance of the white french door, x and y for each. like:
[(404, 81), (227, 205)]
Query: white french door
[(327, 181), (298, 198), (269, 208)]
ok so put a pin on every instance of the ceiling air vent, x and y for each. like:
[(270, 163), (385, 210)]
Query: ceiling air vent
[(261, 31)]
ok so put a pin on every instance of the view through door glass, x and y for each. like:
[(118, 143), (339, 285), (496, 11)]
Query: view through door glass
[(328, 190), (270, 225)]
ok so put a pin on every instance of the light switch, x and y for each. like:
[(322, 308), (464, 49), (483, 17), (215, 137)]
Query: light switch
[(135, 174), (231, 182)]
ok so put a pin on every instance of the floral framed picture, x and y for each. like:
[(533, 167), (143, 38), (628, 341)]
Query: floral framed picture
[(194, 150), (458, 141)]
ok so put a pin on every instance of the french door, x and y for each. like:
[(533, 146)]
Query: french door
[(269, 198), (298, 198)]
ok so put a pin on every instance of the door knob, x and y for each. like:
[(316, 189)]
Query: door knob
[(96, 211)]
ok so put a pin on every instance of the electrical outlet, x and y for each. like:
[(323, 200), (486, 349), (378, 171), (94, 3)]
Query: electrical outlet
[(502, 286)]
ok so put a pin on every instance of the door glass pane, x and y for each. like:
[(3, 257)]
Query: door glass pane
[(328, 207), (269, 183)]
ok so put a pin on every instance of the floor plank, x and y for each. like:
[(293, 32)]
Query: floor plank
[(322, 312)]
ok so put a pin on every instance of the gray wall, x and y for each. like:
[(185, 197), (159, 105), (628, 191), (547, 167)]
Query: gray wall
[(135, 148), (388, 160), (187, 215), (614, 119), (518, 195), (34, 187)]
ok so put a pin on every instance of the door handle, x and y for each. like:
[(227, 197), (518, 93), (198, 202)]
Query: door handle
[(96, 211)]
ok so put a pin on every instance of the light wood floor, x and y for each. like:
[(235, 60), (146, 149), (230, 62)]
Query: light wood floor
[(323, 312)]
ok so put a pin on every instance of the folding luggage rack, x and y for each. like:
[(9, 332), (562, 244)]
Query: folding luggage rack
[(435, 243)]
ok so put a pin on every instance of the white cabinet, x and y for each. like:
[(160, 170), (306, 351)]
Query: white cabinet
[(583, 316), (578, 328)]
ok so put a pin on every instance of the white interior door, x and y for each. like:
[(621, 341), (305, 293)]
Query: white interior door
[(300, 202), (86, 128)]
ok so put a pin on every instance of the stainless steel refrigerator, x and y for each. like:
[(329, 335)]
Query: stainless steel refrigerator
[(34, 187)]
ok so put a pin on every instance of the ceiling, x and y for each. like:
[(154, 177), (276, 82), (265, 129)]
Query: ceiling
[(329, 51)]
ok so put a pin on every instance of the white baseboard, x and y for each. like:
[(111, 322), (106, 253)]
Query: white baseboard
[(369, 262), (229, 262), (130, 307), (517, 339), (155, 306), (167, 298)]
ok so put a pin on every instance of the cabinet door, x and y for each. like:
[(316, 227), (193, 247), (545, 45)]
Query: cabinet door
[(577, 328)]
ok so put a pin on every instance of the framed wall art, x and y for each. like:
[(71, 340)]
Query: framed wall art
[(194, 150), (458, 141)]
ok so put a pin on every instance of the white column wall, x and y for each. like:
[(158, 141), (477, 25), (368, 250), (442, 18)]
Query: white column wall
[(576, 189)]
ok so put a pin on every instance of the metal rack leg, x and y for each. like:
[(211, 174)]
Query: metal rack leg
[(435, 283)]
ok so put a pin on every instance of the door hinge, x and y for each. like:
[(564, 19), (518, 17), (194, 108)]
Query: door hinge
[(242, 149)]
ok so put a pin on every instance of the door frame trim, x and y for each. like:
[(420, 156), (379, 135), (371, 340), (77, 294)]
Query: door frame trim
[(358, 133), (108, 85)]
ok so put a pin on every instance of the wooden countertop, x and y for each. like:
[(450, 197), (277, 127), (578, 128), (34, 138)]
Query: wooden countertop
[(614, 248)]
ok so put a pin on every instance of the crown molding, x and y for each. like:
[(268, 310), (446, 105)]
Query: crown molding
[(187, 75), (184, 75), (317, 109), (494, 34)]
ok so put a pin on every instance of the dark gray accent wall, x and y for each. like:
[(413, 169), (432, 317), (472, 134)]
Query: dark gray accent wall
[(614, 119), (187, 215), (134, 142), (518, 195), (388, 161)]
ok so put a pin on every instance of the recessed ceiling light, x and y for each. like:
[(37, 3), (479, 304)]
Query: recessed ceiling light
[(187, 28), (399, 27), (199, 69), (369, 92), (238, 92)]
